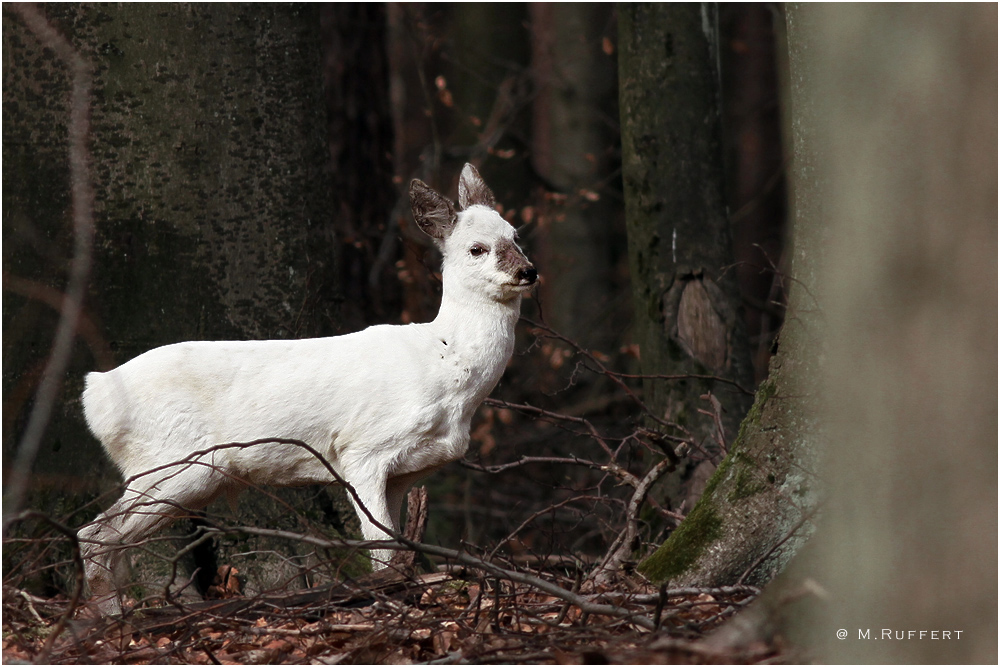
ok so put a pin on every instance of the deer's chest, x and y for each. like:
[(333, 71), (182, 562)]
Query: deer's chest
[(443, 447), (455, 388), (444, 438)]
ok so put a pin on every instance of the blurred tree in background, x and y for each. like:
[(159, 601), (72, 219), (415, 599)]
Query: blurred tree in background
[(908, 136)]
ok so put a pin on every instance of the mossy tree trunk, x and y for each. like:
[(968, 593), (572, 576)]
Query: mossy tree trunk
[(687, 307), (756, 510), (900, 104), (213, 210)]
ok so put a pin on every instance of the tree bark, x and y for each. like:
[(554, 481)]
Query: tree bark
[(213, 205), (687, 306), (896, 108), (756, 511)]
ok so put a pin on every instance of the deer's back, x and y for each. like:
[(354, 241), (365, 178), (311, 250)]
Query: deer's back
[(352, 395)]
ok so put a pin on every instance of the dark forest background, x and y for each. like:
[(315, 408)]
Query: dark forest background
[(528, 93)]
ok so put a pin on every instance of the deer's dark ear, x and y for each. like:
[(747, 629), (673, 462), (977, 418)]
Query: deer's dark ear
[(433, 213), (473, 190)]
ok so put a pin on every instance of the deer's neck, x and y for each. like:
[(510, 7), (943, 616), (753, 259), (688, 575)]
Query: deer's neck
[(478, 334)]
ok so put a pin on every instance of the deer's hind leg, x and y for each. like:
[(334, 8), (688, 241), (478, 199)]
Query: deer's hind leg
[(147, 506)]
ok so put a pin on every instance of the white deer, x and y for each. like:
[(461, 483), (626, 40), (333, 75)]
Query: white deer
[(384, 406)]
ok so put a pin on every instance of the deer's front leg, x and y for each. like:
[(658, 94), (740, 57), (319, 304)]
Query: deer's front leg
[(372, 493)]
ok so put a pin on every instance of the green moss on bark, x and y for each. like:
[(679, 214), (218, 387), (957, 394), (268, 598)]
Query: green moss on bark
[(751, 423), (702, 527), (737, 478), (747, 483)]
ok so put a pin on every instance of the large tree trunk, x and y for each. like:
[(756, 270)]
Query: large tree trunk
[(897, 186), (687, 305), (908, 129), (755, 512), (213, 207)]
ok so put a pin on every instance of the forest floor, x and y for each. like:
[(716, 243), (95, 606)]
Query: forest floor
[(453, 617)]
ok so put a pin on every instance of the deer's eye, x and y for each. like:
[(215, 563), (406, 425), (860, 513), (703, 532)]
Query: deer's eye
[(478, 250)]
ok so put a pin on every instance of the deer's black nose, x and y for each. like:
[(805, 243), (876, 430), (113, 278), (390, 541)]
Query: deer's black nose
[(527, 276)]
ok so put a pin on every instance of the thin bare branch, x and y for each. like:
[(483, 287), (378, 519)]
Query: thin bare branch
[(622, 546), (82, 203)]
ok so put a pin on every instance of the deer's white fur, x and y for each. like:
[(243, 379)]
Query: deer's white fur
[(385, 406)]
